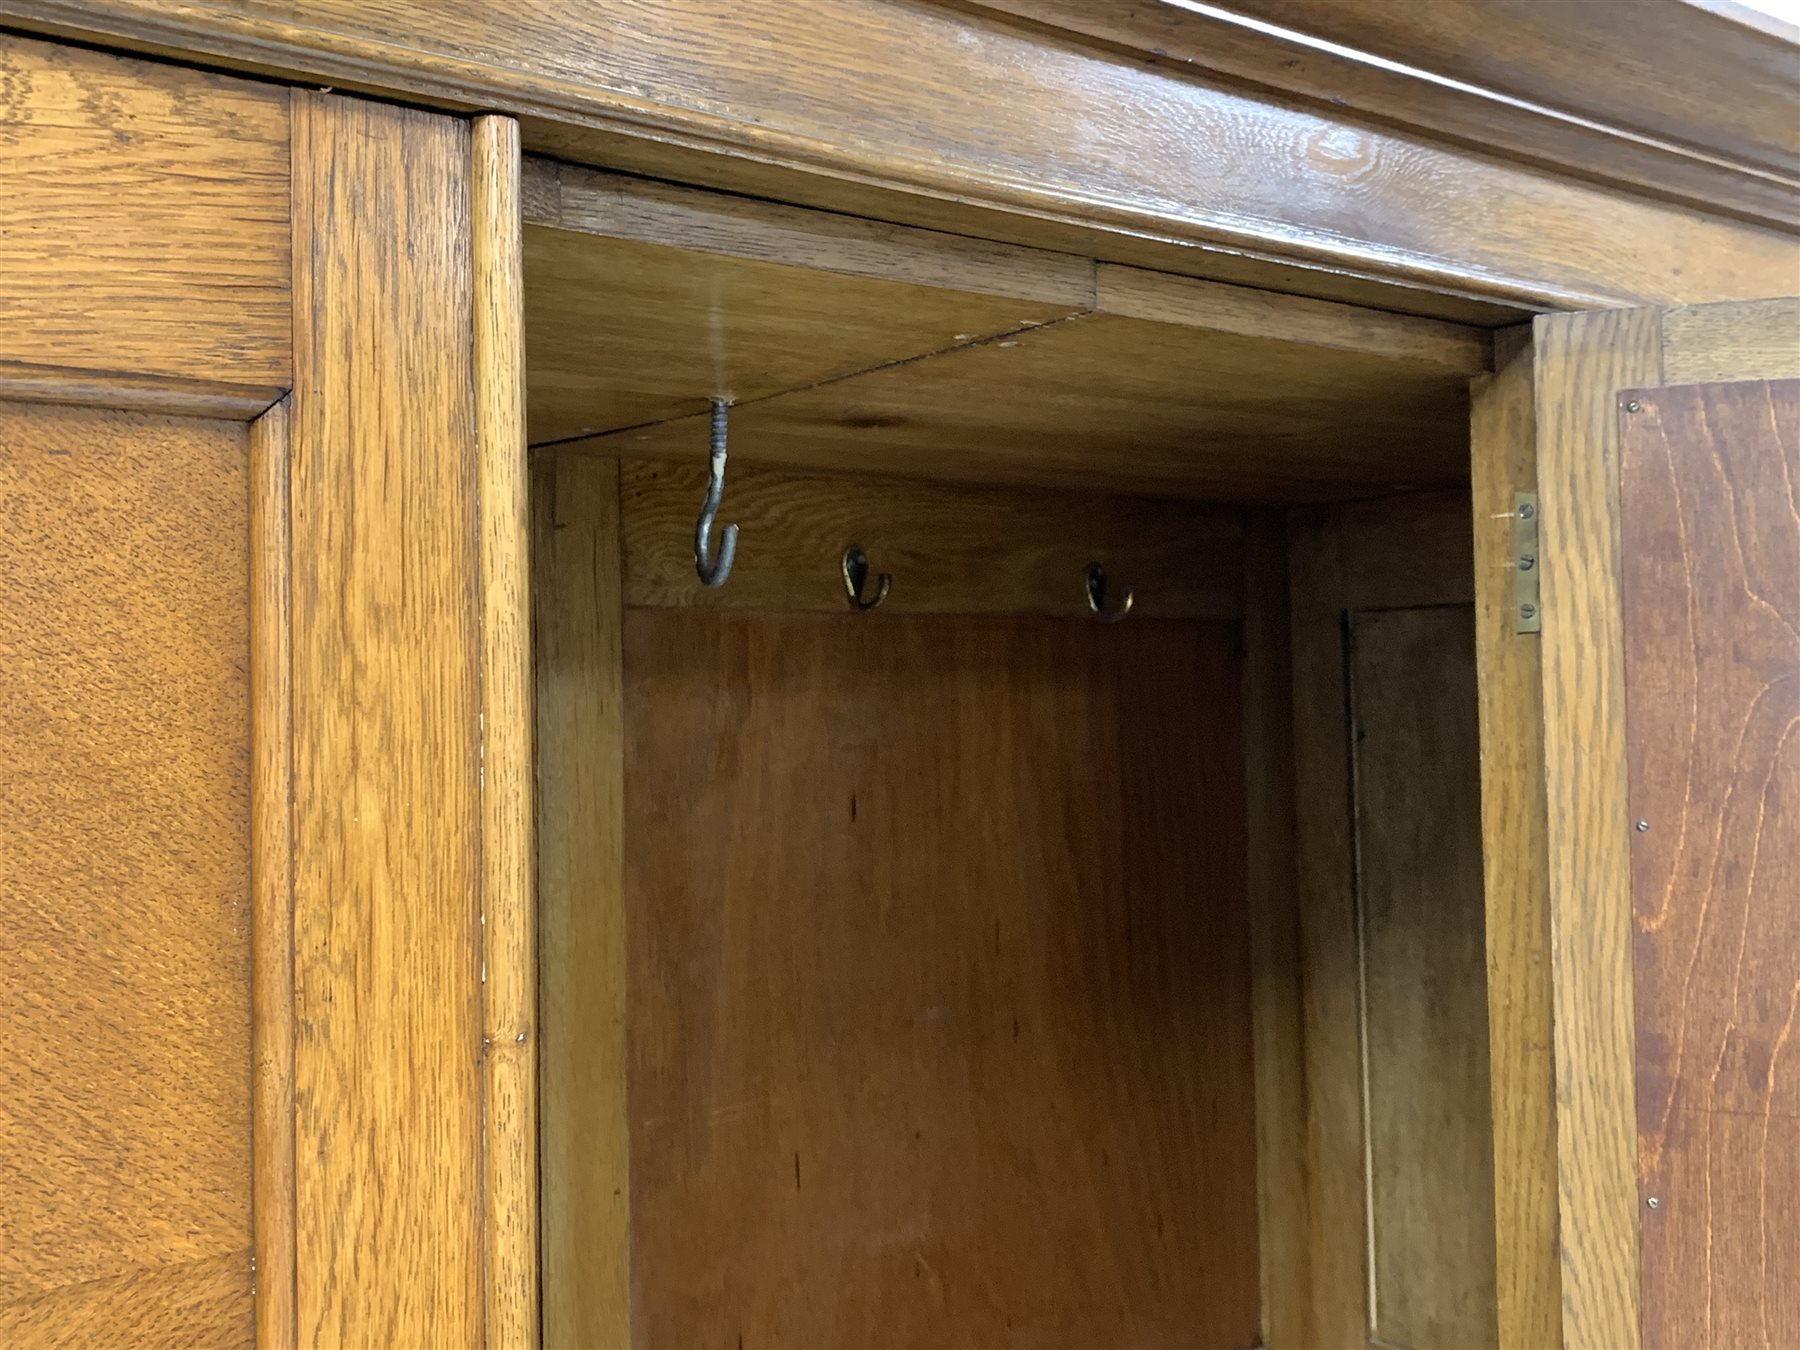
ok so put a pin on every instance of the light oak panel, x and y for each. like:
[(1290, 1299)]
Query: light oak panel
[(125, 1111), (577, 614), (892, 111), (949, 549), (968, 1060), (1515, 863), (386, 706), (622, 332), (1581, 361), (271, 877), (143, 231), (1115, 404), (1425, 1036), (1710, 534), (508, 909), (193, 1305)]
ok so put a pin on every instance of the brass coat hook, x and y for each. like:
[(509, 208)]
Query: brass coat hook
[(710, 571), (1096, 596), (856, 575)]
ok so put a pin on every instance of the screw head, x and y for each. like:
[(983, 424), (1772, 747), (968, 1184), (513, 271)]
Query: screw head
[(1526, 511), (1527, 611), (1653, 1202), (1643, 827), (1634, 406), (1526, 562)]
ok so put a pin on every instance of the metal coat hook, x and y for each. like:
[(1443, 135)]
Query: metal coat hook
[(1096, 596), (856, 575), (710, 571)]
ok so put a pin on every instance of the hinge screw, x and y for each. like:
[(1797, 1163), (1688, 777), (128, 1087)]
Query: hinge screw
[(1527, 611), (1653, 1202), (1634, 406), (1527, 562), (1526, 510), (1643, 827)]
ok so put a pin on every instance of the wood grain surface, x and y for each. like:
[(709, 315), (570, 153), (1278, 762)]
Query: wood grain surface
[(508, 907), (1613, 93), (1580, 362), (893, 111), (1710, 528), (1515, 863), (192, 1305), (949, 549), (941, 1014), (386, 708), (1755, 340), (272, 877), (622, 333), (1360, 1033), (143, 229), (125, 1113), (1425, 1036), (1277, 995), (586, 1167), (1103, 402)]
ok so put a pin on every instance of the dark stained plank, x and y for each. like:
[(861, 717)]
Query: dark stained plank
[(1710, 527), (939, 975), (1425, 1027)]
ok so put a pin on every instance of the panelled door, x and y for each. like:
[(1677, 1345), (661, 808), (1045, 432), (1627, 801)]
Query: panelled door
[(1667, 468)]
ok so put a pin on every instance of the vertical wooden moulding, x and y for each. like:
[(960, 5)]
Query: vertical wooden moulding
[(1331, 1024), (1528, 1278), (386, 671), (1581, 361), (578, 616), (509, 957), (271, 883), (1275, 939)]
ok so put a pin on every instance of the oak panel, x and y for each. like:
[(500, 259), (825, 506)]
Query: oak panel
[(1754, 340), (387, 737), (195, 1305), (1580, 362), (961, 1052), (1511, 92), (948, 549), (1117, 404), (143, 228), (508, 907), (125, 1123), (1711, 555), (1516, 866), (1425, 1032), (622, 333), (892, 111), (577, 614)]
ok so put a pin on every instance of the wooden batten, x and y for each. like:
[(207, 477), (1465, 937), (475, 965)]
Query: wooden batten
[(948, 549)]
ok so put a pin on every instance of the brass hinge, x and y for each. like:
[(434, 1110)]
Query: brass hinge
[(1528, 609)]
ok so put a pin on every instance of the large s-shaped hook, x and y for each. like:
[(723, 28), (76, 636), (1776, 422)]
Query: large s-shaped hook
[(710, 571)]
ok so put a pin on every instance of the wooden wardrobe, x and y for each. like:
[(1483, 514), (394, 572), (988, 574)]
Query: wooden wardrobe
[(1239, 789)]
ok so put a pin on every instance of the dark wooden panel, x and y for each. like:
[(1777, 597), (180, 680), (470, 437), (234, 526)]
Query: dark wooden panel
[(939, 982), (1425, 1034), (1710, 528), (124, 860)]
